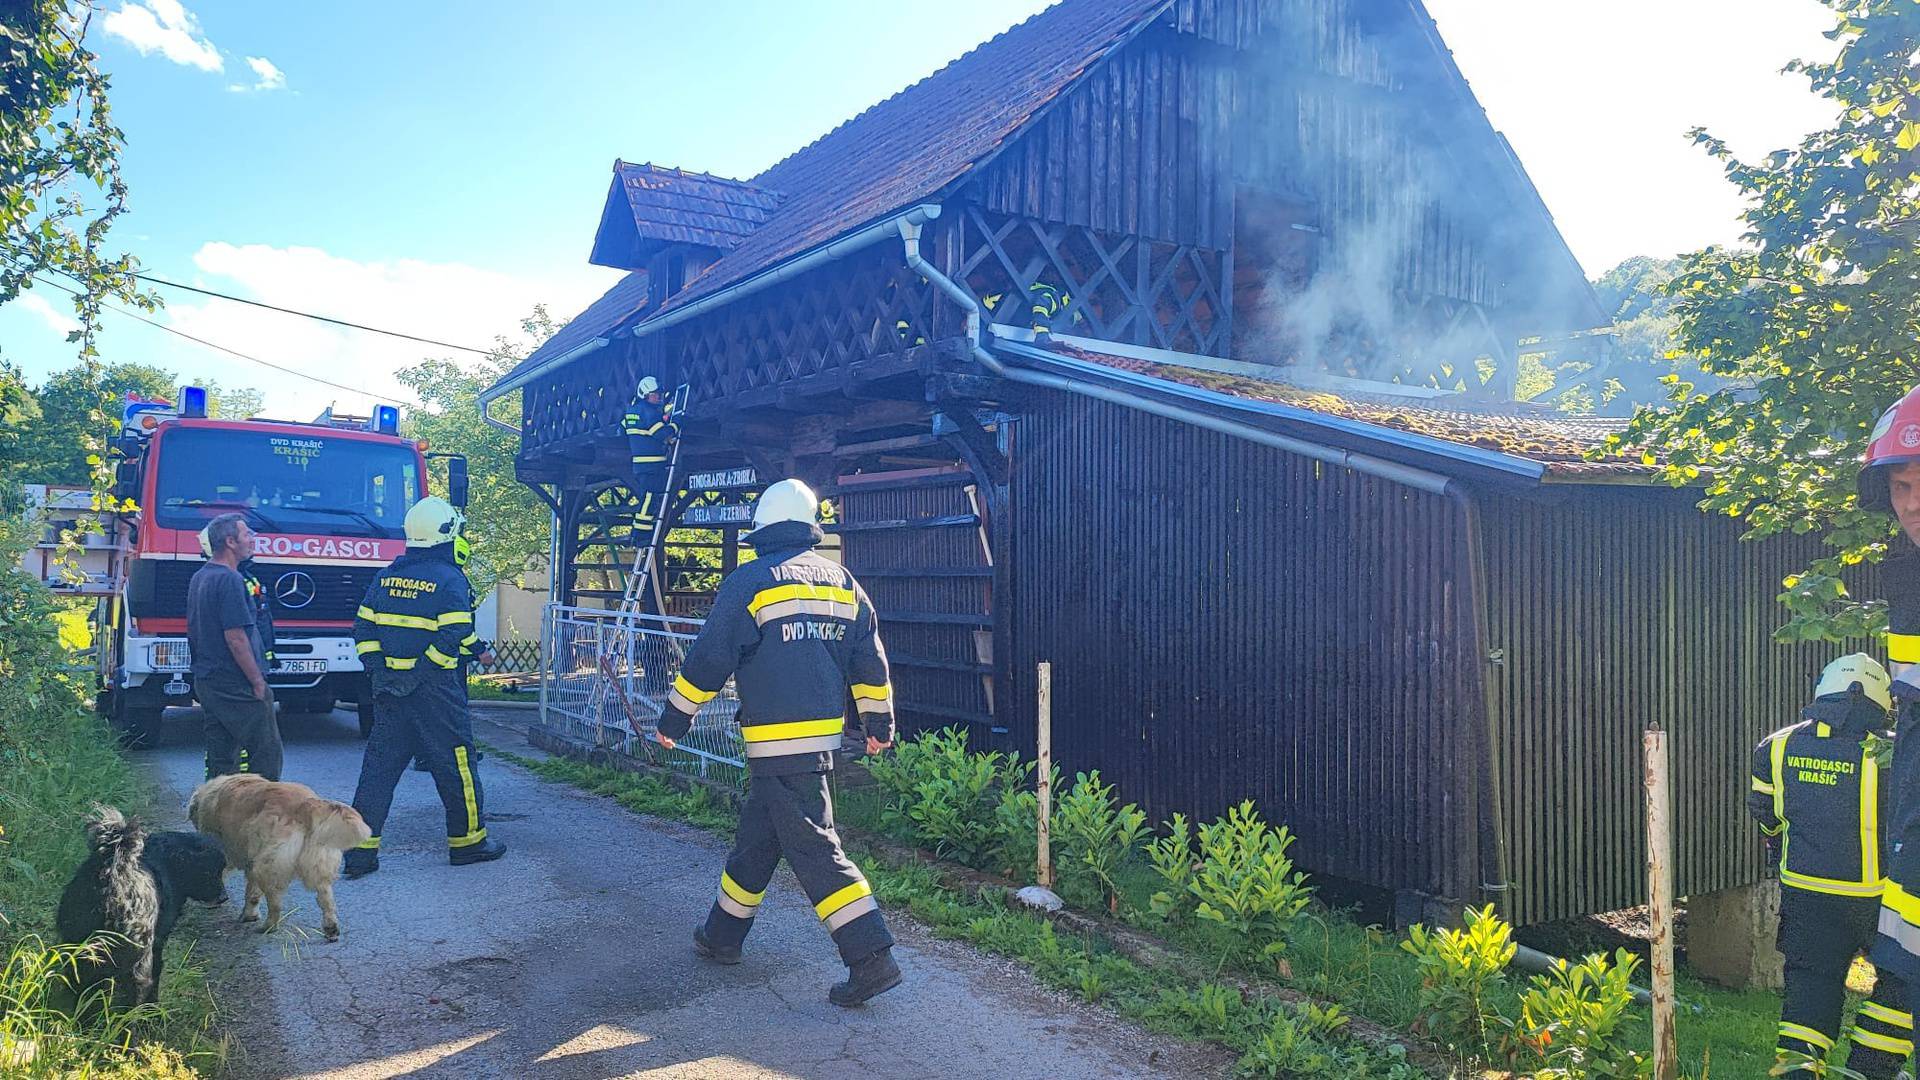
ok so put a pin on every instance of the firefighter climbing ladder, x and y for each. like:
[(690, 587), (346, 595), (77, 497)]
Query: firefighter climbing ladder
[(617, 653)]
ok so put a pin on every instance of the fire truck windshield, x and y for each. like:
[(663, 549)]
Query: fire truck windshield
[(300, 481)]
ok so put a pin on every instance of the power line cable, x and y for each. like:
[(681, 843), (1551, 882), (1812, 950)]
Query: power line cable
[(308, 314), (234, 352)]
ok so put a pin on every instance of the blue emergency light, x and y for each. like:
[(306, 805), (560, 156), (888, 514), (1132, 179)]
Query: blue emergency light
[(193, 401), (386, 419)]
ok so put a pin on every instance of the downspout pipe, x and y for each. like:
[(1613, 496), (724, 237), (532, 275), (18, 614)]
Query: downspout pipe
[(881, 230), (1480, 731)]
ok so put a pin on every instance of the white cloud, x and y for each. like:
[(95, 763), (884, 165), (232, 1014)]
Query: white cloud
[(269, 77), (451, 302), (60, 322), (164, 27)]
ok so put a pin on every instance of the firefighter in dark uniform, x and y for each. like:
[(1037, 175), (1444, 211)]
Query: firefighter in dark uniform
[(1818, 795), (1890, 482), (223, 754), (800, 639), (651, 431), (413, 628)]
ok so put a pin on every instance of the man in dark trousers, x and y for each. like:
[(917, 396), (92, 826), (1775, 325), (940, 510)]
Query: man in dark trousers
[(220, 745), (1817, 794), (650, 432), (412, 631), (1890, 482), (799, 637), (229, 656)]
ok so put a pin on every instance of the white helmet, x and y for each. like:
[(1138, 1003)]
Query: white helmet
[(432, 521), (206, 542), (649, 385), (1857, 670), (788, 500)]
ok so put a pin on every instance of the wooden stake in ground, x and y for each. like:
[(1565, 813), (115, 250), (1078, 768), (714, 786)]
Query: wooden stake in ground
[(1045, 748), (1666, 1052)]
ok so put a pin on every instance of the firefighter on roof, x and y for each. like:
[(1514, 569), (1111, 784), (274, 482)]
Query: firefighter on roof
[(651, 431), (413, 630), (1818, 795), (799, 637)]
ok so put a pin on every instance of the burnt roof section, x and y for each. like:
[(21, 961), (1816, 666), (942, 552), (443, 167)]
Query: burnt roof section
[(1536, 434), (922, 139), (651, 206)]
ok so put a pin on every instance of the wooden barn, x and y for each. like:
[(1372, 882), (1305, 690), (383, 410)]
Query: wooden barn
[(1177, 342)]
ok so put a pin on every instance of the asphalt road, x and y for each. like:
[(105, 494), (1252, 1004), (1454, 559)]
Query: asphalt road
[(570, 958)]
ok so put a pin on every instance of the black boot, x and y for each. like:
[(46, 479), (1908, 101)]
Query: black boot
[(485, 851), (875, 975), (360, 862), (706, 950)]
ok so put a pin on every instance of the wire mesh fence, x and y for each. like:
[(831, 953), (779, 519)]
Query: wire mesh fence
[(511, 658), (607, 675)]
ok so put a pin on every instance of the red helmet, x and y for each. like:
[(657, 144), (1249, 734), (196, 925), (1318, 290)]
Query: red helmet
[(1896, 438)]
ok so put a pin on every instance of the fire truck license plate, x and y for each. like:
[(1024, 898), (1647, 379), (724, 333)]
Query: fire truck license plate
[(303, 667)]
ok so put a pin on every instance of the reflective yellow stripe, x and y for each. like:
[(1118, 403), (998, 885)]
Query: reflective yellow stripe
[(739, 892), (402, 663), (411, 622), (1762, 786), (841, 899), (475, 833), (1877, 1011), (795, 729), (1886, 1043), (1903, 648), (371, 843), (434, 654), (691, 692), (365, 612), (799, 591), (456, 618), (1869, 819), (1806, 1035), (1900, 902), (365, 647), (868, 692), (1830, 886)]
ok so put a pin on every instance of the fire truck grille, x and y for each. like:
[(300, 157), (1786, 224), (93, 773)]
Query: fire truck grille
[(300, 592)]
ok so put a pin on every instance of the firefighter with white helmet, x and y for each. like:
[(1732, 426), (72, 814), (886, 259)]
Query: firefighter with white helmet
[(799, 638), (1818, 795), (651, 431), (413, 631)]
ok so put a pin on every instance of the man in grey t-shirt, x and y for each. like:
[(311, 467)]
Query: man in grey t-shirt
[(230, 658)]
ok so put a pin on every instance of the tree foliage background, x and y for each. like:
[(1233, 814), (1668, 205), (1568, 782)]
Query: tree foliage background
[(1811, 324)]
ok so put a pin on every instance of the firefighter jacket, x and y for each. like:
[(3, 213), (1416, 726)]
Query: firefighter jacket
[(650, 432), (1817, 790), (262, 610), (417, 618), (1900, 911), (799, 637)]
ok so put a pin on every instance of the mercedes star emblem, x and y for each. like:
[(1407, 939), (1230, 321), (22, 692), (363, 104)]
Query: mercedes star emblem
[(294, 590)]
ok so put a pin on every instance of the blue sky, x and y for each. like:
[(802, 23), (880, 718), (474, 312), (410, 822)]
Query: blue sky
[(439, 167)]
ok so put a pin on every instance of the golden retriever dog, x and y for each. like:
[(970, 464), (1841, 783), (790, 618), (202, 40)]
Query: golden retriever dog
[(275, 832)]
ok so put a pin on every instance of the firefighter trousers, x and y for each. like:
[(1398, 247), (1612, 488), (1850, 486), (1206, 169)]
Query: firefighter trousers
[(241, 731), (430, 723), (1820, 934), (792, 817)]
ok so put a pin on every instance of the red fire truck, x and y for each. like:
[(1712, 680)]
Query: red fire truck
[(326, 500)]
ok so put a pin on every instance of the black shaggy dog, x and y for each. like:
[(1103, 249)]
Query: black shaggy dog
[(132, 888)]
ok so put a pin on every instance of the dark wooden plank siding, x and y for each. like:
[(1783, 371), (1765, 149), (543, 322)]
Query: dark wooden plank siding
[(1227, 621), (1611, 609)]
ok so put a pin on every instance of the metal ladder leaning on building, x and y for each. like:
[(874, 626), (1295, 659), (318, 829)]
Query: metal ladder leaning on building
[(617, 654)]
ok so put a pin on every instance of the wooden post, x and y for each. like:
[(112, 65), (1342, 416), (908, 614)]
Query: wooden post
[(1666, 1053), (1045, 747)]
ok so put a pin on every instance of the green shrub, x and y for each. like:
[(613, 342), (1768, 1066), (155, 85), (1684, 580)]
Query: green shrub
[(1457, 969), (1571, 1019), (973, 808), (1173, 859), (1096, 836), (1246, 883)]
